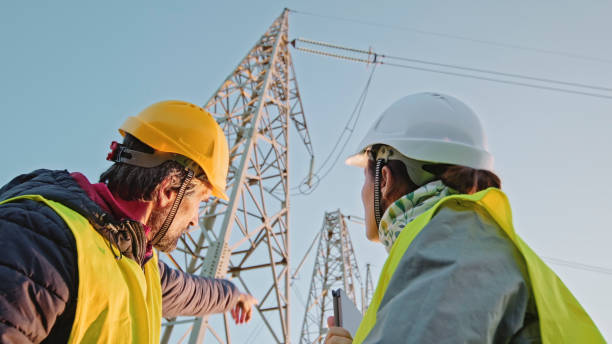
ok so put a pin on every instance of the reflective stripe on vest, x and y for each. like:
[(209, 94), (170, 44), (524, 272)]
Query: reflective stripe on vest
[(117, 302), (562, 319)]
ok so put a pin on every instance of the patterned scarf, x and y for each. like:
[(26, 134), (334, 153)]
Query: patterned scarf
[(407, 208)]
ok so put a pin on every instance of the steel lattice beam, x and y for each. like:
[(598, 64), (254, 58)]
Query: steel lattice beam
[(247, 238)]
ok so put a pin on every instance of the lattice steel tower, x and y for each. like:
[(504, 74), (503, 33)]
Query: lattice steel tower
[(335, 267), (247, 238), (368, 289)]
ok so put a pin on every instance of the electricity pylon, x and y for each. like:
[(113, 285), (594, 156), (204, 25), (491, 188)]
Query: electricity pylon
[(369, 289), (247, 238), (335, 267)]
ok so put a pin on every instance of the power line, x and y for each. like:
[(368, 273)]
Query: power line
[(356, 219), (512, 75), (509, 82), (376, 58), (458, 37), (340, 145), (254, 333), (299, 295), (579, 266), (351, 129)]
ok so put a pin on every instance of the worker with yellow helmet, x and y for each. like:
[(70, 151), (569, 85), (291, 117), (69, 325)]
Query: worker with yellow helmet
[(77, 258)]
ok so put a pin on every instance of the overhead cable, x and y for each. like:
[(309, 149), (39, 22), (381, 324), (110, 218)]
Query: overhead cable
[(356, 219), (458, 37), (376, 58), (512, 75), (336, 152), (297, 270), (509, 82), (348, 129), (579, 266)]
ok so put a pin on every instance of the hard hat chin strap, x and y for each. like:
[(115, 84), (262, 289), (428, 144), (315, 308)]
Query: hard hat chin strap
[(120, 153), (177, 202), (377, 194)]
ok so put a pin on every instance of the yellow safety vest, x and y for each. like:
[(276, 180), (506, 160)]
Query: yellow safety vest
[(562, 319), (117, 301)]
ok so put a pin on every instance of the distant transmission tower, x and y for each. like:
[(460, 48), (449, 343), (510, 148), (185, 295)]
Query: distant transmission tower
[(335, 267), (369, 289), (247, 238)]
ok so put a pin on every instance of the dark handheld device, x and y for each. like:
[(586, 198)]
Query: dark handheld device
[(346, 314), (337, 308)]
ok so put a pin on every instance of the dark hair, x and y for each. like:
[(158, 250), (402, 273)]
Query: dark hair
[(138, 183), (465, 180)]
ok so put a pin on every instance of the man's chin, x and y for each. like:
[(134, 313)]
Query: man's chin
[(166, 247)]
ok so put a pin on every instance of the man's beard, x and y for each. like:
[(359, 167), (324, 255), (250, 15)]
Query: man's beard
[(167, 244), (169, 241)]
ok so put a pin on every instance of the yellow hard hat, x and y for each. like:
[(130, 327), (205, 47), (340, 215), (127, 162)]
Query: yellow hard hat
[(183, 128)]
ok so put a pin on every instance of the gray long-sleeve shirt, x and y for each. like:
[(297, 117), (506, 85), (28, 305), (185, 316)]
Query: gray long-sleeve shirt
[(185, 294)]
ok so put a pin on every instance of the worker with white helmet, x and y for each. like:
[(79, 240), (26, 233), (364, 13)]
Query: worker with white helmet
[(77, 263), (457, 272)]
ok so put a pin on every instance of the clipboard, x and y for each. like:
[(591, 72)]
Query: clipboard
[(346, 314)]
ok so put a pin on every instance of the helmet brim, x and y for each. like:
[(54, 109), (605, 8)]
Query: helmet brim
[(219, 193), (358, 160)]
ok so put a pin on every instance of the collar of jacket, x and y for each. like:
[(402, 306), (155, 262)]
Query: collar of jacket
[(127, 237), (126, 214), (407, 208)]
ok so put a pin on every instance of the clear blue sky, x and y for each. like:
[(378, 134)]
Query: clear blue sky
[(71, 71)]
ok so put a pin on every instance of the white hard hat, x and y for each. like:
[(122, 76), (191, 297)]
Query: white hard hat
[(429, 127)]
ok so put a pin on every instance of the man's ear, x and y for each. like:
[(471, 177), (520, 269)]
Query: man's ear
[(165, 193)]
